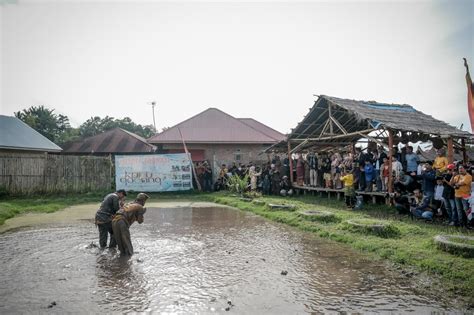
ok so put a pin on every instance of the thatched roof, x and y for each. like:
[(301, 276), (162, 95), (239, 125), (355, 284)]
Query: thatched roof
[(351, 120)]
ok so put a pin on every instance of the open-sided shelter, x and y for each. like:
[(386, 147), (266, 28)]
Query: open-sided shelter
[(336, 122)]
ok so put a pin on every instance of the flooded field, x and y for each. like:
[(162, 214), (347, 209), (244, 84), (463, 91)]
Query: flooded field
[(200, 260)]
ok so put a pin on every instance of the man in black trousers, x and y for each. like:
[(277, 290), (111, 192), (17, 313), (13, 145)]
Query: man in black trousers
[(103, 218)]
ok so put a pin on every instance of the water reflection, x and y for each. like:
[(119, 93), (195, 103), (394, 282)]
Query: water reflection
[(198, 260)]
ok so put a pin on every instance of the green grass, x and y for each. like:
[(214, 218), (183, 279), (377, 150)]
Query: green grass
[(411, 246)]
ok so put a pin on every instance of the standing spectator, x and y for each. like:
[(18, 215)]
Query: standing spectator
[(276, 179), (379, 156), (307, 179), (300, 170), (412, 160), (462, 190), (441, 162), (385, 172), (266, 182), (313, 167), (396, 167), (369, 175), (326, 170), (207, 177), (349, 193), (253, 178), (336, 160), (449, 197)]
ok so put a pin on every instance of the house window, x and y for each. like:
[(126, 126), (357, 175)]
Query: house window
[(237, 155)]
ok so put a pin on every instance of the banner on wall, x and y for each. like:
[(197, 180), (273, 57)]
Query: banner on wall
[(150, 173)]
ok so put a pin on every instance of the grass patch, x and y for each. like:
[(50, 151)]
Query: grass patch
[(410, 243)]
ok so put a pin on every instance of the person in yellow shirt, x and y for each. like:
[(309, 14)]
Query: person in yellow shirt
[(462, 192), (349, 192), (440, 163)]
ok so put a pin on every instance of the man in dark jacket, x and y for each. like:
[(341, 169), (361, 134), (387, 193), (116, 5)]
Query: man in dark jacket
[(103, 217)]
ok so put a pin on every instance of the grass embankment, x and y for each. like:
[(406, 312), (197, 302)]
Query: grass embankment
[(411, 245)]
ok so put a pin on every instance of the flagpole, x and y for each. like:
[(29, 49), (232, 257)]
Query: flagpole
[(192, 164)]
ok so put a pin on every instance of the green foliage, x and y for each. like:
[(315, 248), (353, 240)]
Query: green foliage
[(96, 125), (53, 126), (237, 184)]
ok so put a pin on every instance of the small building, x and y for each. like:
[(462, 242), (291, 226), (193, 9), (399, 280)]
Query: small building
[(18, 137), (219, 138), (111, 142)]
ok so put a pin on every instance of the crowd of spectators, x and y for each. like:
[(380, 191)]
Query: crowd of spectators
[(424, 190)]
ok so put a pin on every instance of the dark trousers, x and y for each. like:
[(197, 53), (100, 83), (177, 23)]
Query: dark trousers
[(122, 236), (104, 230)]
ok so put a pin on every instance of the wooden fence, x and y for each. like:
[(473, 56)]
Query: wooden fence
[(28, 173)]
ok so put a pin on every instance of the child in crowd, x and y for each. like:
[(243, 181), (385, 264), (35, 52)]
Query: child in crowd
[(349, 192)]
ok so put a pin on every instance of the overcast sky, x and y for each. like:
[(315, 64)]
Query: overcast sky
[(262, 60)]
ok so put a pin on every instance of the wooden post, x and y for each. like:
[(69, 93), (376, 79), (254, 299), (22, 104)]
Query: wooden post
[(464, 153), (450, 150), (290, 161), (390, 153)]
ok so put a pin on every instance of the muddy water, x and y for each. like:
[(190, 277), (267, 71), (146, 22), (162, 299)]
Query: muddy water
[(200, 260)]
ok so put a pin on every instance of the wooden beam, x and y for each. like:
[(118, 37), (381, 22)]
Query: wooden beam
[(324, 128), (356, 133), (344, 131), (331, 131), (390, 153), (450, 150), (373, 139), (291, 162), (298, 146), (464, 153)]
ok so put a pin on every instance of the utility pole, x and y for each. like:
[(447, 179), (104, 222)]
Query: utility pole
[(153, 104)]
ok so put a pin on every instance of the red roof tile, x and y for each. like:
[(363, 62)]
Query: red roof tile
[(215, 126)]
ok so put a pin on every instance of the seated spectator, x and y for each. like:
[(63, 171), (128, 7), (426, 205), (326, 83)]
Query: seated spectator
[(402, 202), (441, 162), (349, 192), (421, 208), (405, 183), (428, 178), (285, 187)]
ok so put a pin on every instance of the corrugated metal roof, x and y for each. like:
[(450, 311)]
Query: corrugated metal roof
[(111, 142), (214, 126), (16, 135)]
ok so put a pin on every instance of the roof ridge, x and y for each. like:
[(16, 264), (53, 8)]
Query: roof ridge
[(135, 136), (204, 111), (262, 131)]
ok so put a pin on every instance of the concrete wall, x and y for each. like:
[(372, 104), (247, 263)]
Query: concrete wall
[(218, 154)]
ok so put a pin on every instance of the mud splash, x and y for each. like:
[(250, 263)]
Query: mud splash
[(197, 259)]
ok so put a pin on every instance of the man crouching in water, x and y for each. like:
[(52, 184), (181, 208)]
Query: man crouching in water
[(125, 217)]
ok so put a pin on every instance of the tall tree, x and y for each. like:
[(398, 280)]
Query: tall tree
[(96, 125), (54, 127)]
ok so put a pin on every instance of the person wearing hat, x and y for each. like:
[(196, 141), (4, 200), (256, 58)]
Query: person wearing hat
[(103, 217), (124, 218)]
